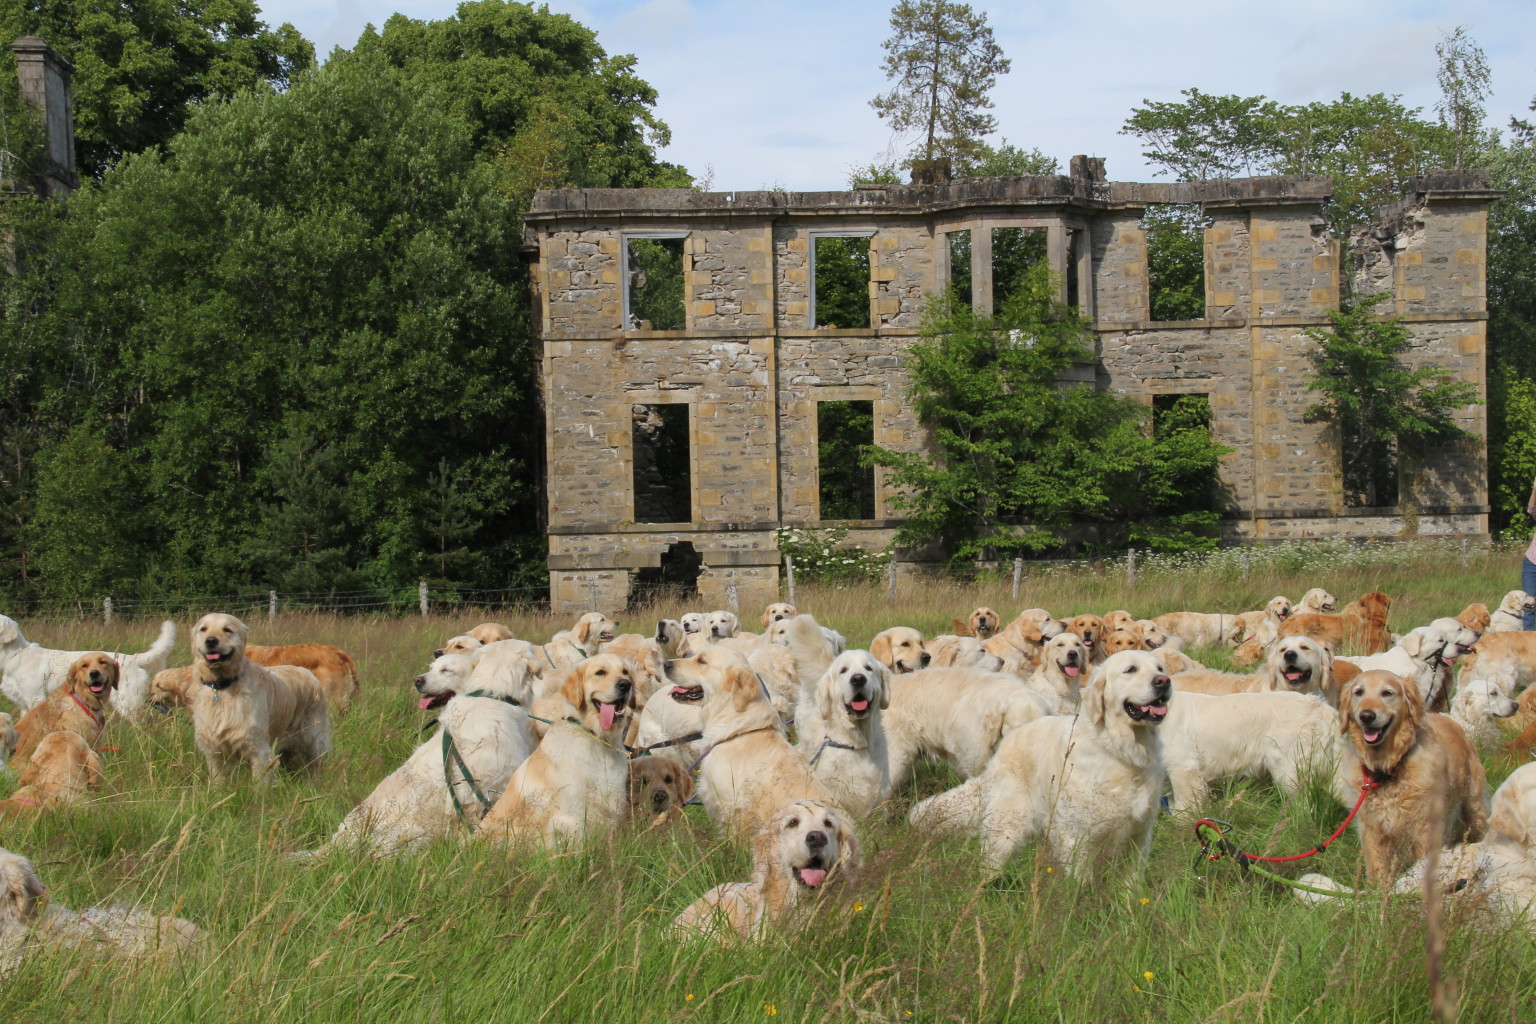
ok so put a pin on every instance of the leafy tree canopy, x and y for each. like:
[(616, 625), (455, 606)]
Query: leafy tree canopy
[(140, 67), (1008, 160)]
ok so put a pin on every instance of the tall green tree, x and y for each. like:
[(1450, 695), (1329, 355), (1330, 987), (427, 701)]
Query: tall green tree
[(1382, 408), (1017, 456), (943, 60), (140, 68), (1464, 85)]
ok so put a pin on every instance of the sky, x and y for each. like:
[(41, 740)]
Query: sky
[(775, 93)]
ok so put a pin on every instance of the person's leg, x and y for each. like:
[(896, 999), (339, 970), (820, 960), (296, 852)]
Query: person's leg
[(1528, 584)]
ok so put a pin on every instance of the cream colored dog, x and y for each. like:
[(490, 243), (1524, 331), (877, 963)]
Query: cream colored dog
[(244, 712), (1476, 704), (951, 651), (1201, 629), (1316, 601), (747, 769), (28, 673), (1509, 616), (841, 735), (1018, 644), (570, 647), (776, 611), (1059, 678), (956, 714), (796, 855), (1264, 624), (576, 783), (28, 920), (1088, 785), (1297, 664), (900, 649), (482, 736)]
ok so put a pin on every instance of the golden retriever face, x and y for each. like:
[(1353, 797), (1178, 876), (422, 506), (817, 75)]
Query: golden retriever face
[(1067, 653), (1302, 664), (853, 684), (1480, 700), (91, 678), (1279, 607), (801, 845), (777, 612), (716, 677), (900, 649), (593, 628), (1117, 620), (1034, 625), (602, 690), (1090, 628), (168, 689), (1517, 603), (693, 622), (22, 894), (458, 645), (1121, 640), (984, 622), (1381, 713), (1152, 635), (1128, 691), (1459, 639), (218, 640), (446, 678), (669, 635), (490, 632), (658, 788), (1318, 601), (721, 624)]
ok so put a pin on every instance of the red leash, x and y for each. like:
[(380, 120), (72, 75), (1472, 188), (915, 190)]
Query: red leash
[(1244, 858)]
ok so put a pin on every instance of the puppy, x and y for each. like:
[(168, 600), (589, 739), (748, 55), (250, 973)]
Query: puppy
[(748, 769), (776, 611), (1019, 642), (841, 735), (79, 706), (27, 919), (795, 854), (1421, 767), (658, 789), (1509, 617), (1059, 677), (900, 649), (576, 783), (244, 712), (62, 768), (1088, 785), (1476, 704), (491, 632)]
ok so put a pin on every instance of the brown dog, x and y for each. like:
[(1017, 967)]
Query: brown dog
[(79, 706), (983, 624), (1090, 630), (1475, 617), (1423, 769), (658, 789), (62, 768), (1362, 626)]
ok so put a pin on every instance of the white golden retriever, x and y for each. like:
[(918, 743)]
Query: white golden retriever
[(244, 712), (1059, 677), (1088, 785), (1415, 657), (1296, 664), (482, 727), (796, 855), (1509, 616), (841, 735), (29, 673), (1476, 704), (28, 920), (958, 715)]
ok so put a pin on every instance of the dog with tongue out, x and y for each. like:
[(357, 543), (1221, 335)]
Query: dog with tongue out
[(840, 733), (576, 783)]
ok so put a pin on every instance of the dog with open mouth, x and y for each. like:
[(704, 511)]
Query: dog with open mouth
[(1423, 655), (1088, 786), (569, 647), (482, 736), (805, 849), (79, 706), (1062, 672), (575, 785), (1509, 616), (1421, 767), (1296, 664), (1090, 629), (747, 768), (841, 735), (900, 649), (1316, 601)]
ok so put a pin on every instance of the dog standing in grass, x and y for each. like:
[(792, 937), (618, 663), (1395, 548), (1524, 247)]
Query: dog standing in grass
[(244, 712)]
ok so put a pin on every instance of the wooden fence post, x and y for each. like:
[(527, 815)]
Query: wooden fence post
[(1018, 576), (106, 609), (422, 593), (789, 573)]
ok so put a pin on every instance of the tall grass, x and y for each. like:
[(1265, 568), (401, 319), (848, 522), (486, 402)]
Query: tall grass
[(466, 931)]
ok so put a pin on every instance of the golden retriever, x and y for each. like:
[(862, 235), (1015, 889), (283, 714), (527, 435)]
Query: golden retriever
[(1019, 642), (62, 768), (776, 611), (1060, 676), (332, 666), (1475, 616), (799, 851), (1422, 766), (1199, 629), (950, 651), (1119, 619), (29, 672), (645, 659), (576, 783), (982, 624), (1316, 601), (491, 632), (1476, 704), (1121, 640), (28, 919), (462, 644), (79, 706), (1297, 664), (840, 731), (1264, 623), (958, 715), (670, 638), (747, 769), (242, 711), (658, 789), (1509, 616), (1362, 626), (1088, 785), (1089, 629), (1507, 658), (569, 647), (484, 716), (900, 649), (1416, 657)]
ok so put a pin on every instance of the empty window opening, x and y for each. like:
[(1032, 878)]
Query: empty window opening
[(1175, 261), (843, 431), (1173, 417), (960, 266), (1073, 298), (1014, 252), (675, 579), (663, 477), (840, 268), (1371, 466), (654, 279)]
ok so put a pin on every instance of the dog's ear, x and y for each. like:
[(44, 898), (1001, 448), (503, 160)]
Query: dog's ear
[(826, 696), (114, 673), (572, 688), (74, 680), (1413, 700), (880, 649), (9, 633), (1094, 703), (1029, 629), (850, 855), (883, 677), (23, 892), (744, 686), (1413, 643), (1346, 708), (684, 784), (765, 620)]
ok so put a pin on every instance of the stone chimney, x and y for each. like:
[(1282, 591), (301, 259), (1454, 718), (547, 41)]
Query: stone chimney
[(45, 82)]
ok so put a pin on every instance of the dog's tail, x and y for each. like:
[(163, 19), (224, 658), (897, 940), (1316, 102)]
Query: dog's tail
[(954, 810), (813, 654), (154, 659)]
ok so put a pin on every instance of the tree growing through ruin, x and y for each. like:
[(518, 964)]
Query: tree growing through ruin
[(943, 60)]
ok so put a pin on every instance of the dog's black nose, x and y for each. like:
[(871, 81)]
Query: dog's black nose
[(1290, 657), (659, 798), (815, 840), (624, 686), (421, 681), (1366, 717), (95, 675), (1072, 657), (1161, 685), (210, 642), (925, 659), (437, 653), (858, 680)]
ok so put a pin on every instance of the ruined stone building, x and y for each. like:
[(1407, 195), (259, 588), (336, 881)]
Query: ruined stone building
[(45, 80), (688, 375)]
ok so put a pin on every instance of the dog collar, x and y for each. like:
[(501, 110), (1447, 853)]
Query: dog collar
[(488, 695), (218, 685), (1374, 777), (85, 707)]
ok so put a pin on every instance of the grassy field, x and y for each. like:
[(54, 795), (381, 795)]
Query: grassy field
[(470, 932)]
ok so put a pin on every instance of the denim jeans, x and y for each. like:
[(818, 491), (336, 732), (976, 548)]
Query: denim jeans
[(1527, 582)]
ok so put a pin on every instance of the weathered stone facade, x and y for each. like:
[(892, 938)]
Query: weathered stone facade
[(752, 367)]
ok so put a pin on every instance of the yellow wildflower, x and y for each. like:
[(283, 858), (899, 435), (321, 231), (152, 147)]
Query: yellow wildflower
[(1147, 975), (857, 906), (770, 1009), (1145, 901), (688, 998)]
